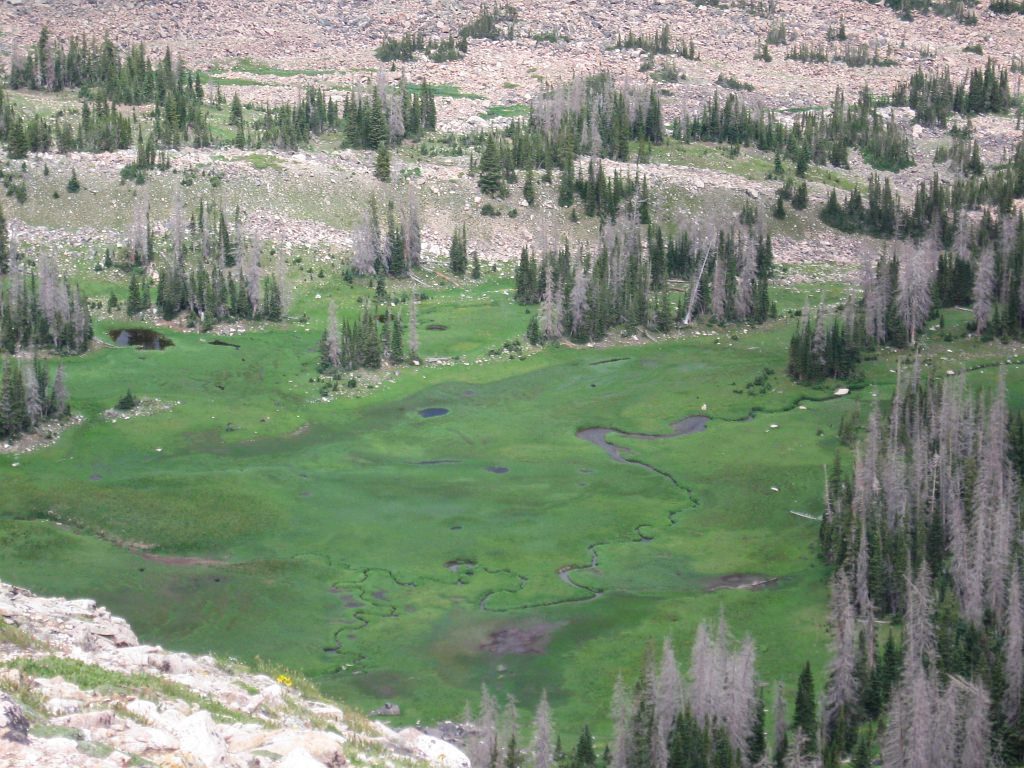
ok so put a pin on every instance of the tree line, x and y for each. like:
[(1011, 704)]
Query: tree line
[(28, 399), (582, 297), (925, 530), (820, 137), (40, 309)]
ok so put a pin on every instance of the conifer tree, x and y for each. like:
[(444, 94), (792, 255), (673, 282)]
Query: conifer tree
[(5, 245), (566, 186), (529, 190), (805, 715), (17, 141), (490, 171), (382, 166), (457, 257)]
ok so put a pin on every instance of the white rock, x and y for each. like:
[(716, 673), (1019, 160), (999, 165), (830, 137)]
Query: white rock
[(439, 754), (199, 738), (841, 391), (63, 706), (13, 723), (300, 758)]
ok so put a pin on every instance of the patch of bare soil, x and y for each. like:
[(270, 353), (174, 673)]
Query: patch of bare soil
[(740, 581), (530, 639), (179, 560)]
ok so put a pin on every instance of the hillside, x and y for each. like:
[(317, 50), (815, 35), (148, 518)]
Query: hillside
[(77, 688), (587, 383)]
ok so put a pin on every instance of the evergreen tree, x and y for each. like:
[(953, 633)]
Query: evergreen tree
[(805, 715), (235, 114), (533, 335), (5, 245), (800, 197), (135, 303), (529, 191), (73, 184), (382, 166), (566, 186), (583, 756), (17, 141), (490, 170), (457, 257)]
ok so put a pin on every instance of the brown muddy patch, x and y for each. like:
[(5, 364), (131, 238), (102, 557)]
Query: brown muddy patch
[(740, 581), (521, 640), (178, 560)]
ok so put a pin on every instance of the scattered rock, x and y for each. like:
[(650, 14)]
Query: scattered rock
[(157, 726), (13, 723)]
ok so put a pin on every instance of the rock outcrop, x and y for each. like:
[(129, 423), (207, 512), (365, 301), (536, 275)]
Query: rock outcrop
[(77, 689)]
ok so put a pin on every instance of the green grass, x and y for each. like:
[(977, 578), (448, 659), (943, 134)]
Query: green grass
[(95, 678), (509, 110), (237, 81), (262, 162), (328, 526), (260, 68), (445, 89), (334, 534), (750, 163)]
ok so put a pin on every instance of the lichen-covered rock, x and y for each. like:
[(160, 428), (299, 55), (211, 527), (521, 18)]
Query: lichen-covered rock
[(13, 723), (166, 708)]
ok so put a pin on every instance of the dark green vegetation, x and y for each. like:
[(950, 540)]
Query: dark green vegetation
[(946, 563)]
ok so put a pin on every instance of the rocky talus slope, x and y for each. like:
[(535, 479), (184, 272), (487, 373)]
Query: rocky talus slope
[(77, 689)]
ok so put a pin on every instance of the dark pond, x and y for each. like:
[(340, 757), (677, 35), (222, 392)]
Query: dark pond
[(437, 327), (143, 338), (498, 470), (429, 413)]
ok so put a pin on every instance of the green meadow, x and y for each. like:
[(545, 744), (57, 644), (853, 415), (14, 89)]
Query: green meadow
[(393, 557)]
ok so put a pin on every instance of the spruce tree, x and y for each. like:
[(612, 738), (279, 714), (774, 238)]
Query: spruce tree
[(779, 209), (73, 185), (127, 402), (800, 197), (5, 245), (457, 253), (395, 340), (566, 187), (583, 756), (529, 190), (17, 141), (135, 302), (533, 331), (382, 167), (805, 716), (235, 117), (491, 176)]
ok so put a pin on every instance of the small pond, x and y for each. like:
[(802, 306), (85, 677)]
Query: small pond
[(429, 413), (142, 338)]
